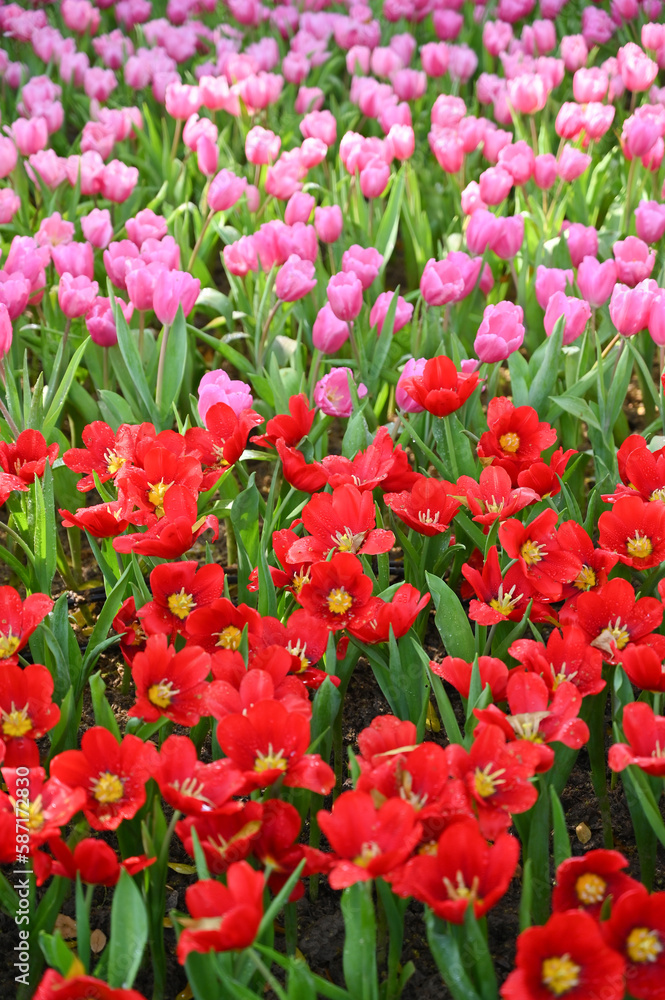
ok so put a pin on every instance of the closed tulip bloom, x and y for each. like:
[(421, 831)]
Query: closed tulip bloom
[(299, 207), (569, 120), (527, 93), (76, 295), (441, 282), (447, 146), (225, 190), (481, 230), (574, 52), (9, 205), (596, 280), (100, 321), (590, 84), (30, 135), (173, 289), (630, 307), (374, 178), (598, 119), (319, 125), (634, 260), (345, 295), (402, 141), (508, 237), (295, 279), (471, 198), (650, 221), (500, 333), (434, 58), (76, 258), (328, 332), (495, 185), (656, 323), (6, 330), (518, 159), (576, 313), (140, 281), (572, 163), (118, 180), (379, 311), (637, 70), (550, 280), (262, 146), (218, 387), (582, 242), (8, 156), (207, 156), (97, 227), (182, 100), (639, 135), (363, 261), (544, 171), (328, 223)]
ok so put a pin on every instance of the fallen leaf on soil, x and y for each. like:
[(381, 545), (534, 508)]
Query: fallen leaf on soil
[(583, 833), (66, 926), (97, 941), (185, 994), (182, 869)]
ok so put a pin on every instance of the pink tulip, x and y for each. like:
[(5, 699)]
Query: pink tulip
[(598, 120), (379, 311), (494, 141), (207, 156), (262, 146), (328, 223), (402, 141), (299, 208), (576, 313), (76, 295), (145, 225), (596, 280), (637, 70), (295, 279), (495, 185), (240, 257), (447, 24), (182, 100), (174, 289), (8, 156), (6, 331), (634, 260), (76, 258), (332, 394), (15, 292), (328, 332), (500, 333), (53, 231), (545, 171), (9, 205), (471, 199), (597, 26), (582, 241), (100, 321), (518, 159), (89, 169), (217, 387), (550, 280), (497, 36), (590, 84), (225, 190), (527, 93), (345, 295), (481, 230), (469, 268), (508, 237), (569, 120), (572, 163), (118, 181), (319, 125), (374, 178), (656, 323), (97, 227), (363, 261), (630, 307), (650, 221), (441, 282), (574, 52), (434, 58), (639, 135), (140, 282), (30, 135)]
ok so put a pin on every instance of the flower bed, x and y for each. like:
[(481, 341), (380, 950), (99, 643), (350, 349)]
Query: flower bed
[(332, 466)]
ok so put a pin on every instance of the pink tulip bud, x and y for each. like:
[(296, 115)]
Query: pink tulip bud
[(500, 333), (225, 190), (328, 332), (363, 261), (569, 120), (650, 221), (630, 307), (576, 313), (262, 146), (9, 205), (253, 198), (441, 282), (495, 185), (8, 156), (332, 394), (572, 163), (545, 171), (508, 237), (53, 231), (173, 289), (76, 295), (328, 223), (299, 208), (574, 52), (97, 227), (634, 260), (434, 58), (319, 125), (582, 241), (527, 93), (182, 100), (590, 84), (637, 70), (374, 178), (75, 258), (550, 280), (402, 141), (345, 295), (471, 199), (518, 159), (30, 135), (596, 280), (295, 279), (379, 311), (656, 323), (15, 292), (6, 331), (118, 181), (100, 321), (481, 230), (207, 156)]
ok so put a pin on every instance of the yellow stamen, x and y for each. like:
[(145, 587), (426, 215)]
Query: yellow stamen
[(156, 495), (8, 645), (487, 781), (560, 975), (532, 552), (114, 462), (17, 722), (505, 604), (271, 761), (509, 442), (368, 852), (162, 694), (339, 601), (229, 637), (643, 945), (585, 579), (108, 787), (639, 546), (181, 604), (460, 890), (590, 888)]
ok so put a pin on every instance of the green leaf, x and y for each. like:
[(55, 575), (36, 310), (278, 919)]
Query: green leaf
[(562, 849), (56, 952), (519, 378), (359, 955), (129, 933), (60, 394), (98, 637), (386, 235), (176, 356), (578, 407), (451, 620), (130, 353), (447, 956), (102, 710), (546, 367)]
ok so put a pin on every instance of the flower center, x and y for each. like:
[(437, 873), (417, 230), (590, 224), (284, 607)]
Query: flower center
[(658, 495), (229, 637), (509, 442), (30, 814), (300, 652), (487, 781), (107, 787), (532, 552), (162, 694), (585, 579), (299, 581), (460, 890), (639, 546), (590, 888), (8, 645), (339, 601), (114, 462), (369, 850), (270, 761), (426, 517), (562, 675), (505, 604), (615, 634), (156, 495), (643, 945), (560, 974), (526, 725), (181, 604), (17, 722), (348, 542)]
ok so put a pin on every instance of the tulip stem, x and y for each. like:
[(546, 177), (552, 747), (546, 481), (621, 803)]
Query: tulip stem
[(452, 458), (199, 241), (176, 138), (264, 333), (629, 191), (141, 332), (161, 365)]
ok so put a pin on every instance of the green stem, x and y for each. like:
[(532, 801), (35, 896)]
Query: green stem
[(451, 447), (161, 366), (197, 245)]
